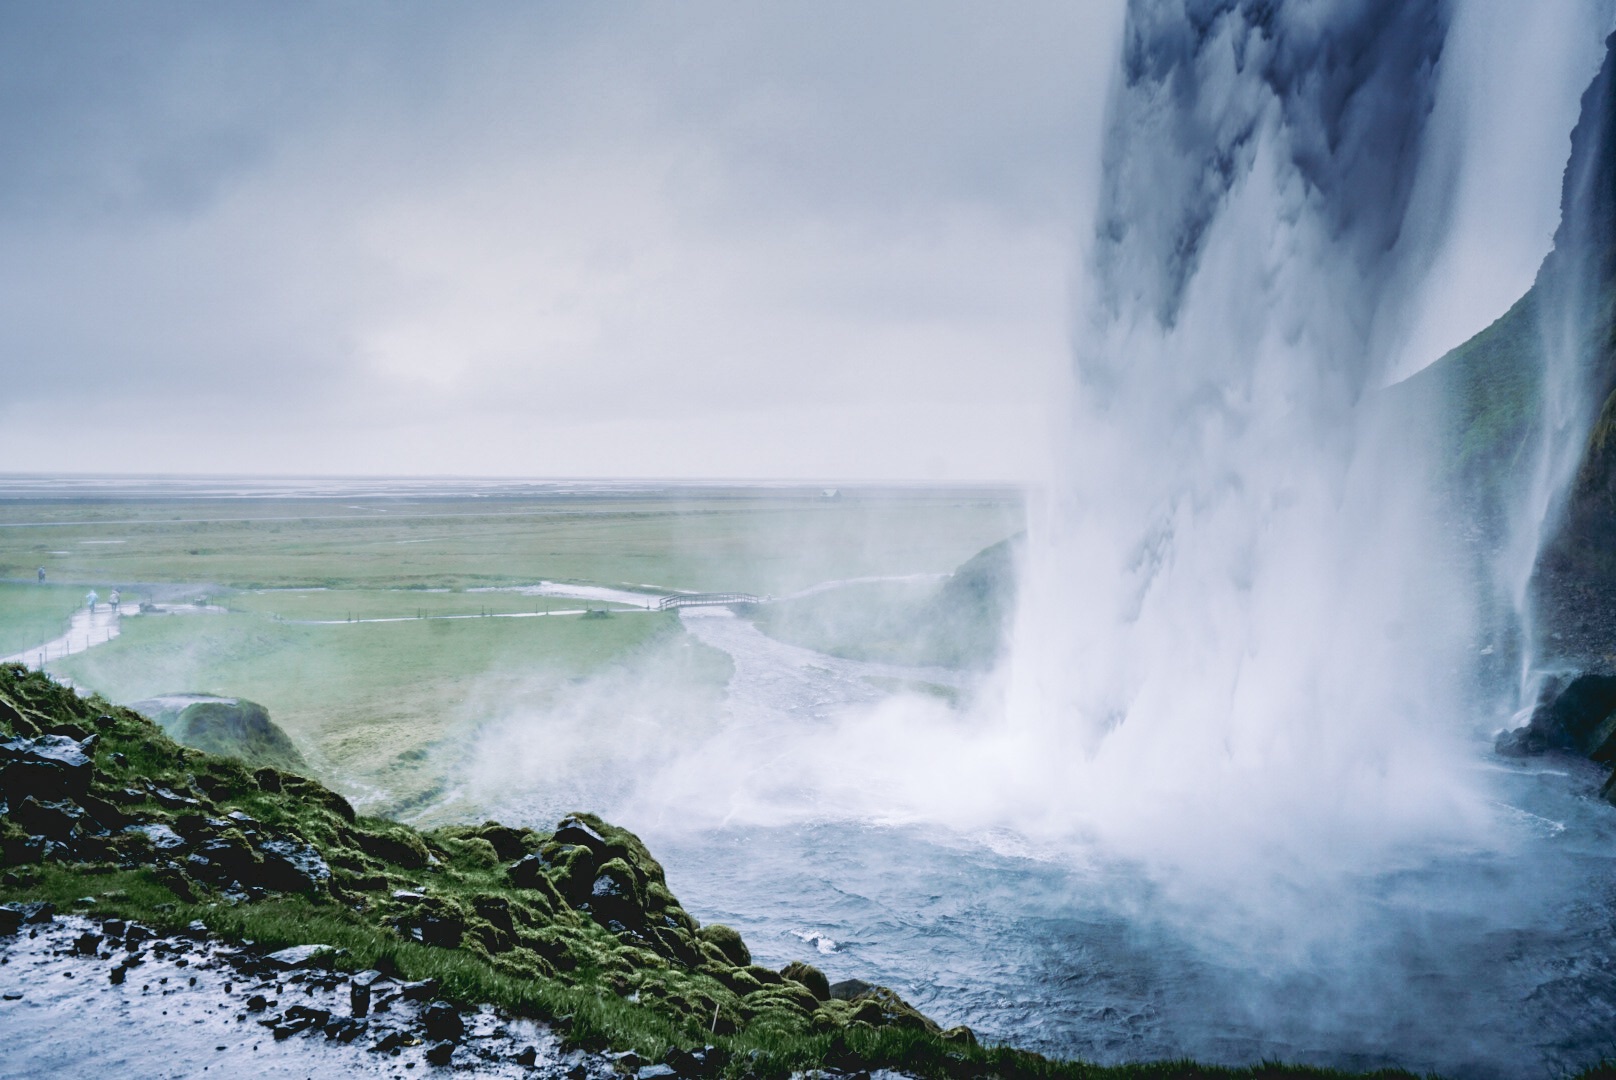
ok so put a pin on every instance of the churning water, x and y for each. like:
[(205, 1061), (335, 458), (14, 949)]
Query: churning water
[(1232, 797)]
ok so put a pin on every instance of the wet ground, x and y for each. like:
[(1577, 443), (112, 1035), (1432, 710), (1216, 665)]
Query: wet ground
[(77, 1002)]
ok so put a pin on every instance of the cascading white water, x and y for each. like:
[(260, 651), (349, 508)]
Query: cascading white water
[(1567, 296), (1244, 624)]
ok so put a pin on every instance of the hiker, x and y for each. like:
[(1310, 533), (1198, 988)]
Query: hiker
[(42, 575), (113, 600), (90, 598)]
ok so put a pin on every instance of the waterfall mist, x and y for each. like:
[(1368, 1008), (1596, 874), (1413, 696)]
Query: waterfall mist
[(1248, 631)]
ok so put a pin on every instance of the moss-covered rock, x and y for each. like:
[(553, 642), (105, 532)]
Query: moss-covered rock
[(728, 943), (585, 908), (228, 727)]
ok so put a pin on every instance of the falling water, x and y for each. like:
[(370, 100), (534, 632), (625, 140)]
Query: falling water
[(1243, 625), (1567, 293)]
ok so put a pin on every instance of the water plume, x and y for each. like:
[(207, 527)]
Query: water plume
[(1243, 630)]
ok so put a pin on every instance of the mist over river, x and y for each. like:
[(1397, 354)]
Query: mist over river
[(1487, 960)]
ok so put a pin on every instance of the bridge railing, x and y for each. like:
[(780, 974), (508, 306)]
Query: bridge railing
[(667, 603)]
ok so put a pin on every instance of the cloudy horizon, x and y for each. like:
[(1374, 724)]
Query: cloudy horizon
[(712, 240)]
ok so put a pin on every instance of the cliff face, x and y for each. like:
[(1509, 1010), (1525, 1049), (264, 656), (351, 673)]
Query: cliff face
[(1557, 343), (1577, 571)]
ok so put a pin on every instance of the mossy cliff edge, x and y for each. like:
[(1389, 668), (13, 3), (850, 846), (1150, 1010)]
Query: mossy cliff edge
[(576, 926)]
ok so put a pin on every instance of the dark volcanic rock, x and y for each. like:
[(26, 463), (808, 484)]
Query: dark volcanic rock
[(291, 867), (441, 1021), (48, 768), (1578, 716)]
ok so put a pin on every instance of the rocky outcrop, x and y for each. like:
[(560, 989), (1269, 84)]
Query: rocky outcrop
[(582, 907), (229, 727), (1574, 715)]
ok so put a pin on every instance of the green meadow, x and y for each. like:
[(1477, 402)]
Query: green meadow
[(382, 633)]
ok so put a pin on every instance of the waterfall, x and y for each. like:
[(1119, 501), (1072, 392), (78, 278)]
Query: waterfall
[(1242, 614)]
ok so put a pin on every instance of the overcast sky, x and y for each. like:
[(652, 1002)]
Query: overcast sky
[(802, 240), (824, 239)]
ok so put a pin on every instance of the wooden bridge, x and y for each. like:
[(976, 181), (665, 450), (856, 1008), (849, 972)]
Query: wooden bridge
[(705, 599)]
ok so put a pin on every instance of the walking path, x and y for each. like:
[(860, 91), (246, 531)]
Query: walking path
[(85, 629), (88, 628)]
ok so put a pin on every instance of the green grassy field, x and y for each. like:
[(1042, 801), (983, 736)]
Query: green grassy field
[(344, 604), (383, 710), (754, 544), (32, 614), (378, 708)]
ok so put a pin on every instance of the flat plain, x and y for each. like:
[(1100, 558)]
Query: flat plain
[(384, 630)]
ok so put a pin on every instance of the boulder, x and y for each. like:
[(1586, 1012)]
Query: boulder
[(235, 728), (441, 1021), (59, 821), (289, 866), (728, 942), (1576, 715), (575, 830), (48, 768), (300, 956), (809, 976)]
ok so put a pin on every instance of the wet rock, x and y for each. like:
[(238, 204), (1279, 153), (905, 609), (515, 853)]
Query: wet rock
[(289, 866), (1577, 715), (303, 1018), (525, 874), (359, 989), (344, 1029), (257, 1003), (444, 931), (300, 956), (10, 919), (440, 1053), (419, 991), (34, 912), (612, 895), (392, 1040), (87, 943), (657, 1072), (59, 821), (528, 1056), (574, 830), (162, 837), (171, 800), (268, 780), (441, 1021), (48, 768), (21, 851)]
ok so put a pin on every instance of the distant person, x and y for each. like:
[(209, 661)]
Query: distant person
[(90, 598), (42, 575), (113, 600)]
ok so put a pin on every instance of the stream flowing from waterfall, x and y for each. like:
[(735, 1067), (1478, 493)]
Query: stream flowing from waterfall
[(1488, 960), (1232, 797)]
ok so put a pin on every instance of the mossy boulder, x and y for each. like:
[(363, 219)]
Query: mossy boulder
[(810, 977), (728, 942), (228, 727)]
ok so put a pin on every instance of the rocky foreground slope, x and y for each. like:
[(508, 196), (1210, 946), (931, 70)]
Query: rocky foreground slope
[(124, 852)]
